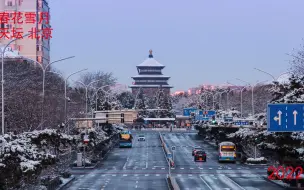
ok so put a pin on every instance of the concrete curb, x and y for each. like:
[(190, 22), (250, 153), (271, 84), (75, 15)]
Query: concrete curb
[(173, 183), (65, 184), (282, 186), (89, 167), (168, 184)]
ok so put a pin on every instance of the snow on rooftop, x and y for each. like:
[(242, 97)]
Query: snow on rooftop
[(150, 62), (9, 52), (151, 76)]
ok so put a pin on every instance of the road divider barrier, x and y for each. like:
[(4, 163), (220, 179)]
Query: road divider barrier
[(173, 183), (167, 151)]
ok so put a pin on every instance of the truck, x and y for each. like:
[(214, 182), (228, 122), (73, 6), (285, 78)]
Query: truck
[(125, 139)]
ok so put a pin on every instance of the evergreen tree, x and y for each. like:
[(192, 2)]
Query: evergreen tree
[(126, 100), (164, 102), (289, 93), (140, 102)]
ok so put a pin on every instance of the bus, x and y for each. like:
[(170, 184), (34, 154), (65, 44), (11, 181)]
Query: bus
[(125, 139), (227, 152)]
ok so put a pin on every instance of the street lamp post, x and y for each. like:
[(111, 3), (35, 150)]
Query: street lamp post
[(101, 88), (252, 88), (241, 97), (43, 79), (65, 95), (228, 94), (207, 98), (275, 79), (2, 77), (86, 91)]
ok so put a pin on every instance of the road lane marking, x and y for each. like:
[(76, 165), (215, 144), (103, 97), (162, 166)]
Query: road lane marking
[(146, 174), (205, 183), (125, 175), (157, 175), (191, 168), (210, 168), (114, 175), (163, 168), (182, 168), (234, 183)]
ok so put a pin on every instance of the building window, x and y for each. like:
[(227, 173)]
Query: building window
[(39, 59), (39, 48), (19, 47), (9, 3)]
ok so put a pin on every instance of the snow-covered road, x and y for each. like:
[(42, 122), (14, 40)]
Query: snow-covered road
[(144, 167)]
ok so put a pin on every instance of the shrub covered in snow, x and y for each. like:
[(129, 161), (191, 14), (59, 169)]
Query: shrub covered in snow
[(24, 155)]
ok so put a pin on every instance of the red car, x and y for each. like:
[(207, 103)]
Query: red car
[(196, 149), (200, 156)]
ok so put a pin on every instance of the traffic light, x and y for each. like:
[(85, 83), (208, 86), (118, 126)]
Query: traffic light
[(213, 120), (200, 107)]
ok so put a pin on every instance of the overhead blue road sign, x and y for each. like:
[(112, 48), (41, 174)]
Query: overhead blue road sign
[(210, 113), (202, 118), (241, 123), (285, 117), (188, 111), (228, 119)]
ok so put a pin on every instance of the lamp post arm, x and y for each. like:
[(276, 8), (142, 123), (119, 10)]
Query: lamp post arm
[(58, 61), (266, 73)]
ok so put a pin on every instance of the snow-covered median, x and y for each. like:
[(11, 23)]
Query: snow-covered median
[(260, 160)]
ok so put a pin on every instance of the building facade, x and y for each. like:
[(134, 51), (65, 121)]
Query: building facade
[(150, 77), (36, 49)]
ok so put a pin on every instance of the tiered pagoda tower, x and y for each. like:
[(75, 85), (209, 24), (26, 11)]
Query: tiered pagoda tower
[(150, 77)]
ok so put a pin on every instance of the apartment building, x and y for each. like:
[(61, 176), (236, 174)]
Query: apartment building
[(36, 49)]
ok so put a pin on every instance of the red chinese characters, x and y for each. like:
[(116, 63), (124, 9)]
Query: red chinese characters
[(14, 25), (284, 173)]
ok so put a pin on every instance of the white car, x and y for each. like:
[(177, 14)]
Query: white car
[(141, 138)]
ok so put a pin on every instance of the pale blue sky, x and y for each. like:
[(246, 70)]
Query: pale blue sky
[(199, 41)]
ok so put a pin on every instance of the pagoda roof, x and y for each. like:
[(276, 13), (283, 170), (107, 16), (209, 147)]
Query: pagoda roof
[(150, 62), (149, 86), (150, 76)]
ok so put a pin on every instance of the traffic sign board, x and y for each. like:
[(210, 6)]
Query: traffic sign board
[(285, 117), (227, 119), (188, 111), (241, 123)]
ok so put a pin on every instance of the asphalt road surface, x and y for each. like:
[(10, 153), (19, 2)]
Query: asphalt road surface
[(212, 175), (144, 167), (141, 167)]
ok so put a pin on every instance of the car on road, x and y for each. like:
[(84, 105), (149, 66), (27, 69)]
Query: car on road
[(141, 138), (196, 149), (200, 156)]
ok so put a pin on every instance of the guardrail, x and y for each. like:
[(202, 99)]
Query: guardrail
[(236, 126), (167, 151), (173, 183)]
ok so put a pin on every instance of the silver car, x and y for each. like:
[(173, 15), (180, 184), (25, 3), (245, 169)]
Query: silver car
[(141, 138)]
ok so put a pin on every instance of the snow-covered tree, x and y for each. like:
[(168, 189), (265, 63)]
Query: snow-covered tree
[(126, 99), (163, 101), (297, 63), (290, 93), (140, 103)]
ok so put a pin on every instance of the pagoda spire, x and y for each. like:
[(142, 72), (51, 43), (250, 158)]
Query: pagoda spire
[(150, 53)]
